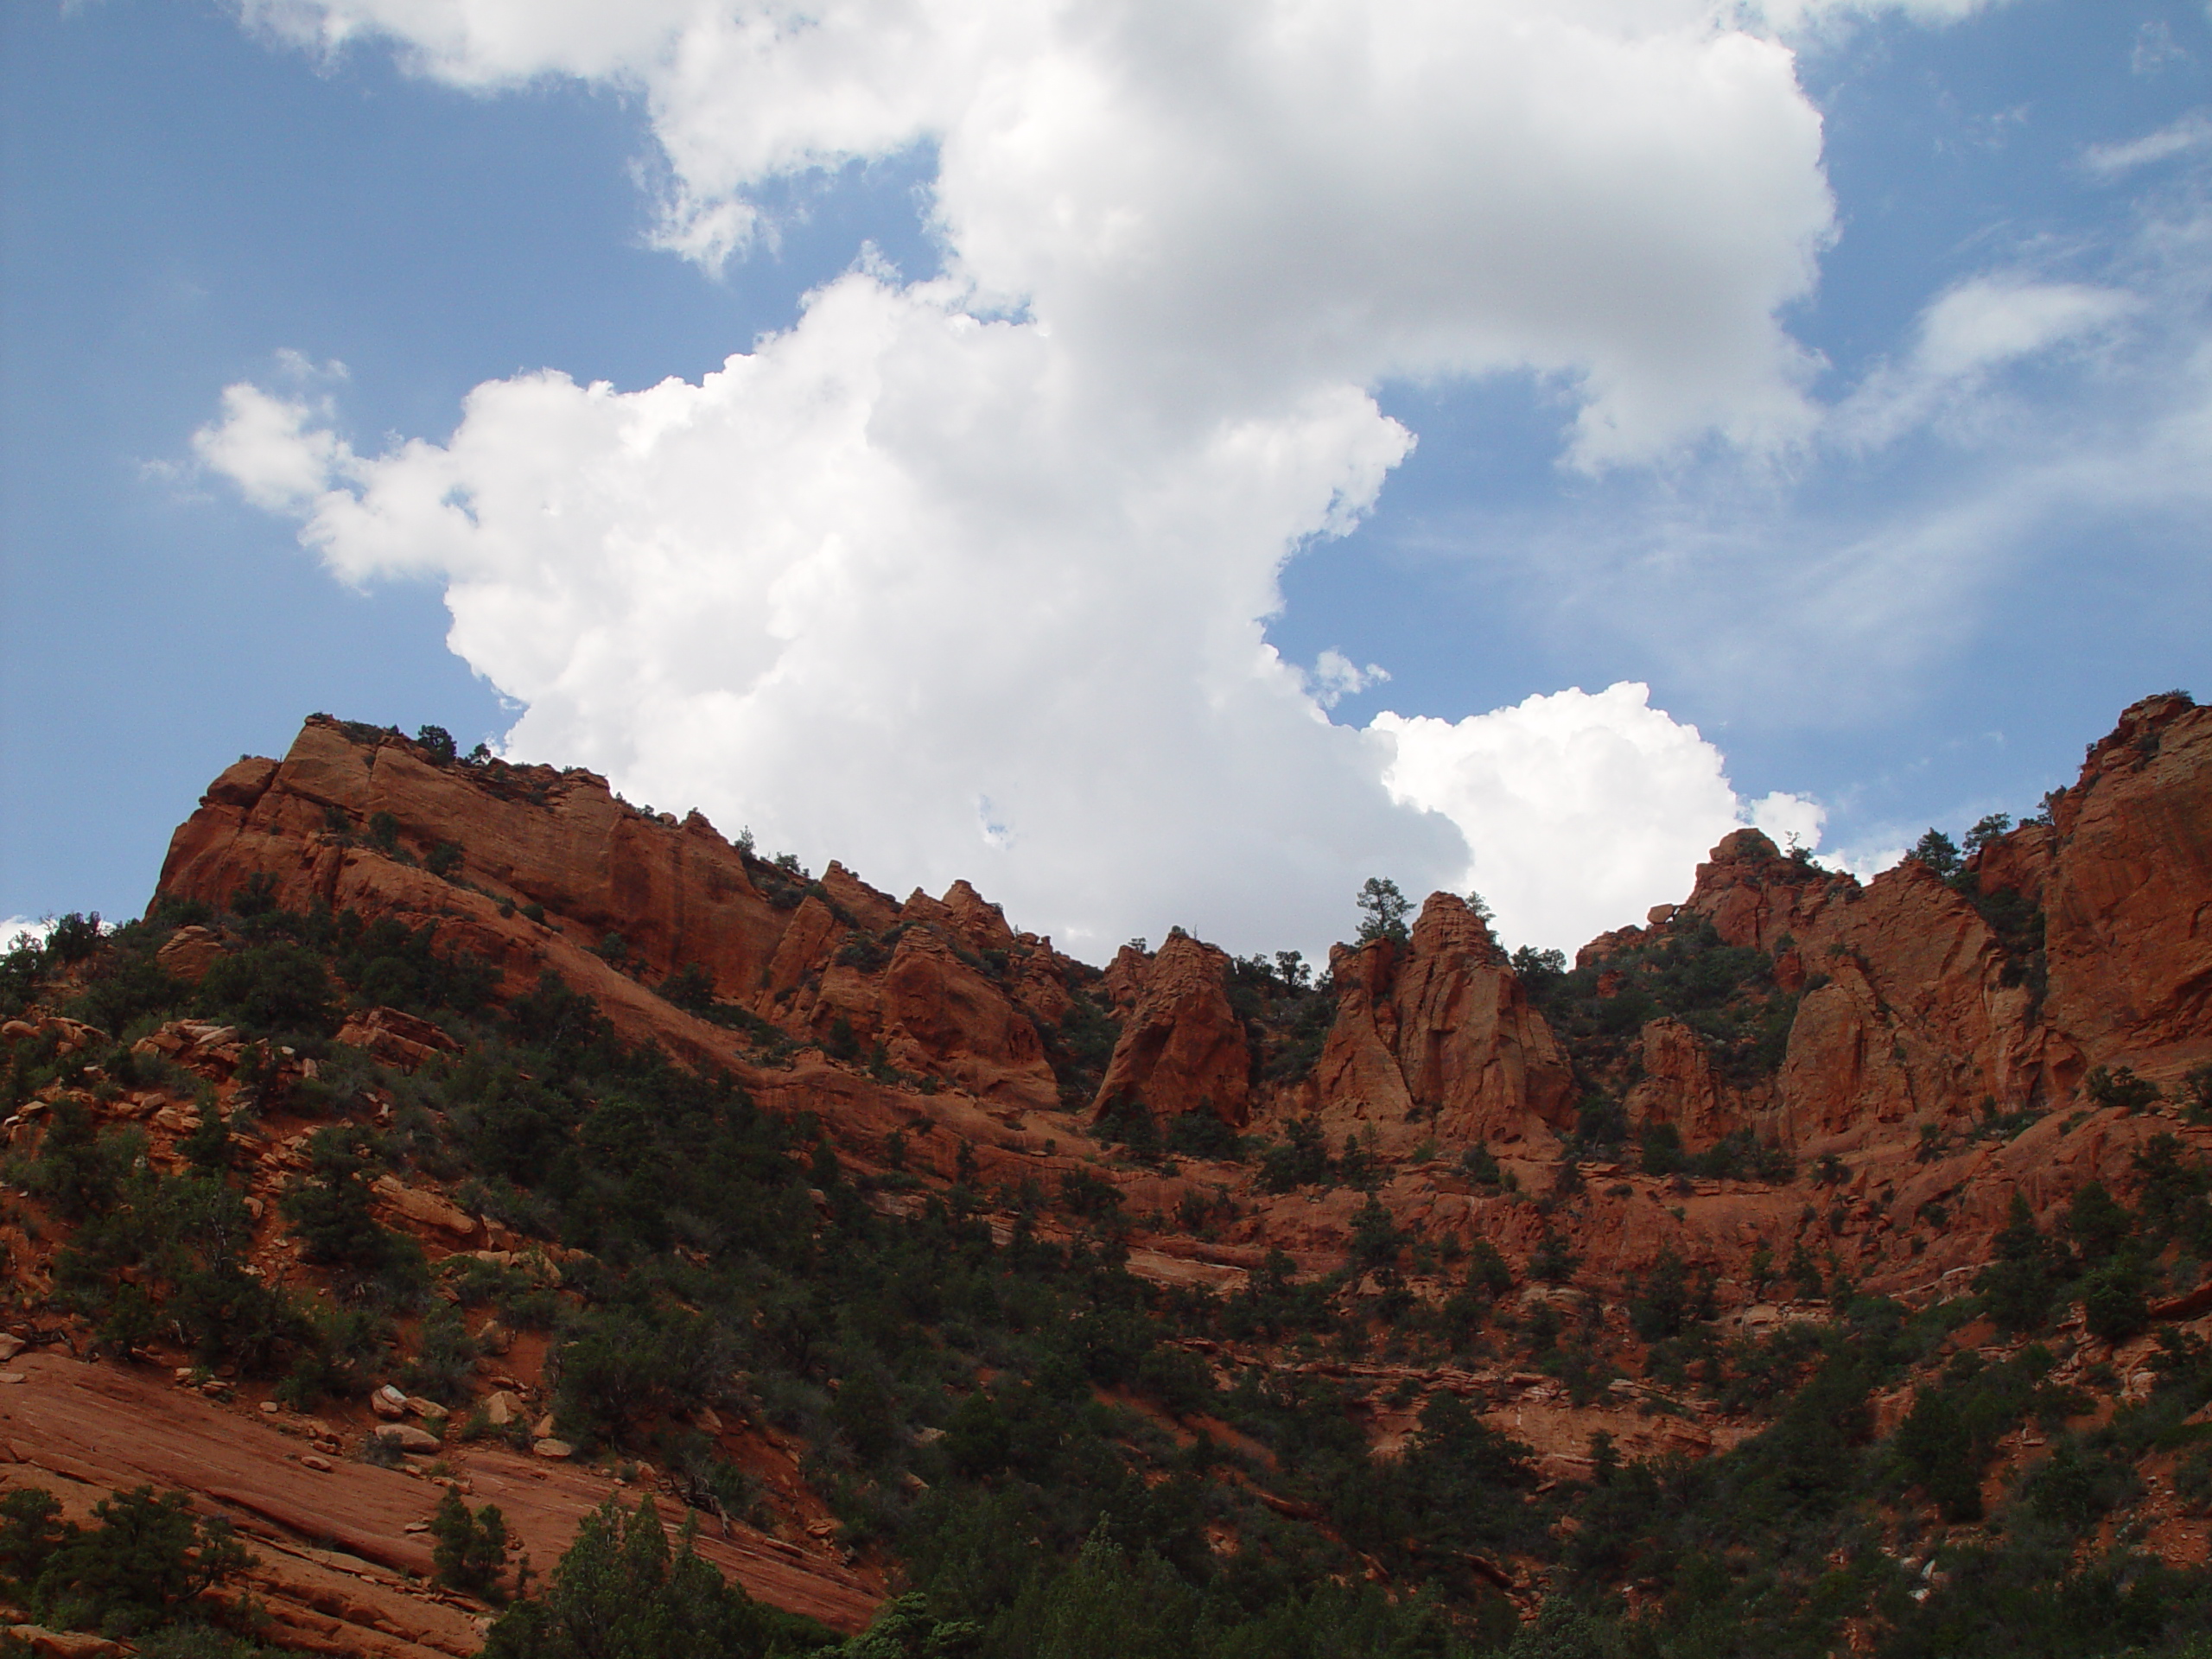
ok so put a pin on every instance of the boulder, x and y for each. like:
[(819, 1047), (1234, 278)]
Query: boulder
[(424, 1209), (189, 953), (407, 1438), (398, 1039)]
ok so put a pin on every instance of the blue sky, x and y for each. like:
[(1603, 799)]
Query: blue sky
[(1880, 563)]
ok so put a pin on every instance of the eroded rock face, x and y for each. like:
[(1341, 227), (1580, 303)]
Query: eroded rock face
[(1681, 1088), (351, 818), (2129, 898), (1436, 1038), (1183, 1049), (1914, 1011), (944, 1018)]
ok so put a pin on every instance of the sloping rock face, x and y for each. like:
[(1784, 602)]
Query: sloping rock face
[(352, 817), (1681, 1088), (1182, 1048), (2129, 896), (1435, 1039), (1915, 1010)]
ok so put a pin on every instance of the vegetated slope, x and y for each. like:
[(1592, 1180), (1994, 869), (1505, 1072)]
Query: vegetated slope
[(1815, 1267)]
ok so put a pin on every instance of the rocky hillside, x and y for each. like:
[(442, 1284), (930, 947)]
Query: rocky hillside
[(1818, 1267)]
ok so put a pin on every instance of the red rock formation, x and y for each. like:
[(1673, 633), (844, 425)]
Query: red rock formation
[(1182, 1048), (1436, 1038), (1681, 1087), (944, 1018), (2129, 900), (678, 895)]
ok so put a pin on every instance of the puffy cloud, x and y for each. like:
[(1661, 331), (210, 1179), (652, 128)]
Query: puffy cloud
[(1336, 677), (874, 591), (1579, 810), (968, 575), (1221, 204)]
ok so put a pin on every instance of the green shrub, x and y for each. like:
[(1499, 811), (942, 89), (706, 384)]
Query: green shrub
[(1382, 910), (620, 1592), (279, 987), (81, 1169), (141, 1567), (468, 1552), (329, 1211)]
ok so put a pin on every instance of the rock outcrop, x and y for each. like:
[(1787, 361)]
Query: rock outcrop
[(1435, 1039), (1182, 1048), (2129, 895), (543, 871)]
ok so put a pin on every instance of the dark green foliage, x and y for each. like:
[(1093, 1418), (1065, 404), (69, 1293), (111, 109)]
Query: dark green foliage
[(329, 1211), (124, 985), (74, 938), (1480, 1165), (81, 1169), (436, 744), (170, 1256), (1665, 1301), (690, 988), (1947, 1438), (1737, 1155), (278, 988), (1539, 970), (1079, 1050), (2097, 1223), (384, 834), (1599, 1123), (139, 1568), (444, 860), (2073, 1488), (1202, 1134), (1302, 1160), (1375, 1241), (1938, 852), (1724, 992), (31, 1530), (1552, 1261), (1084, 1194), (468, 1552), (620, 1592), (1660, 1149), (2120, 1088), (2016, 1289), (1560, 1631), (2115, 1303), (445, 1358), (209, 1148), (1382, 911)]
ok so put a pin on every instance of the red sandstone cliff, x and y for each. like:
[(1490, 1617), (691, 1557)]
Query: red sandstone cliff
[(1920, 1008)]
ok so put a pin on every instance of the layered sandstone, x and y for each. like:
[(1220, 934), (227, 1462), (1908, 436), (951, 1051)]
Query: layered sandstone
[(1182, 1048), (1434, 1039)]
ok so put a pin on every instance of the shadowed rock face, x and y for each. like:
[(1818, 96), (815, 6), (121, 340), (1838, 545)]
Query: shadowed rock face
[(1914, 1010)]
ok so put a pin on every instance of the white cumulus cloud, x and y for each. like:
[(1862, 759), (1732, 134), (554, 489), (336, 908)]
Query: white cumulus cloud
[(1579, 810), (969, 575)]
